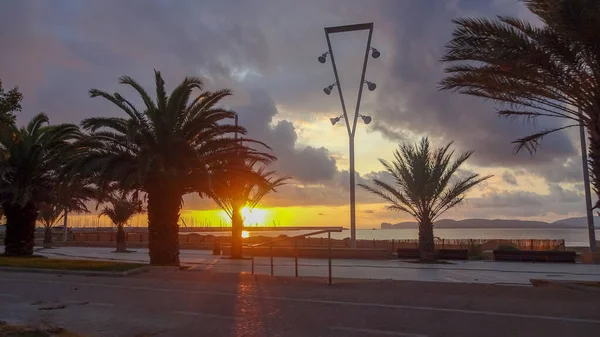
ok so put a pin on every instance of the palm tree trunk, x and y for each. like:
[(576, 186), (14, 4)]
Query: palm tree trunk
[(20, 229), (594, 152), (121, 240), (426, 241), (237, 226), (48, 237), (164, 204)]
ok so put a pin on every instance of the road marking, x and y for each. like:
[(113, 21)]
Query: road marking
[(9, 295), (372, 332), (199, 314), (315, 301), (99, 304)]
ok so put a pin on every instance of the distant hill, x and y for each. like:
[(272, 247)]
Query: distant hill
[(498, 223)]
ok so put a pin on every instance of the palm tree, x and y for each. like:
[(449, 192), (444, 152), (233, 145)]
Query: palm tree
[(48, 216), (548, 70), (122, 208), (242, 183), (166, 150), (69, 194), (30, 159), (424, 186)]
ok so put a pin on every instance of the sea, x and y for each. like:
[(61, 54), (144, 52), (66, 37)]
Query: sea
[(574, 237)]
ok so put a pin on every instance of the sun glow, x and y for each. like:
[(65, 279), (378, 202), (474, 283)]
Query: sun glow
[(253, 217), (245, 234)]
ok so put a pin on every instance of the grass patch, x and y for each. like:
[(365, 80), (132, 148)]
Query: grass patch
[(10, 330), (66, 264)]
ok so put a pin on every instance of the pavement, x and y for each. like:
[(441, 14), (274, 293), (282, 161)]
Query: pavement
[(182, 303), (487, 272)]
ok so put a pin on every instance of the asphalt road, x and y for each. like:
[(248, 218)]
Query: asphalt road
[(170, 303)]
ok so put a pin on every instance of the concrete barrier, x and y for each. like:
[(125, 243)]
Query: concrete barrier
[(315, 252)]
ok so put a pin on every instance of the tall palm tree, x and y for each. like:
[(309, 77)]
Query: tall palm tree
[(120, 210), (242, 183), (424, 186), (167, 149), (30, 159), (548, 70)]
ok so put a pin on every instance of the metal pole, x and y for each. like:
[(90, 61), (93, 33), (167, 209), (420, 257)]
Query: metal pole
[(329, 254), (352, 195), (252, 252), (65, 227), (351, 128), (236, 125), (586, 185), (296, 255), (271, 249)]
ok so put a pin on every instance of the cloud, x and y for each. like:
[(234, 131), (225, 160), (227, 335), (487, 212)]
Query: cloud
[(508, 178), (305, 164), (55, 52), (409, 98)]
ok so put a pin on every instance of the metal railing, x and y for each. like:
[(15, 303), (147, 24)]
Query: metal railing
[(295, 239)]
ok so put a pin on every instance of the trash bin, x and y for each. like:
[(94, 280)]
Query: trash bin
[(217, 248)]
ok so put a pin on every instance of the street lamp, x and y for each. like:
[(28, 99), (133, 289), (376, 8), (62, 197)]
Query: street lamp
[(328, 89), (350, 127)]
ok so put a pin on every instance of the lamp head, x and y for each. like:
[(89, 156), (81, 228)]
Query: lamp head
[(334, 120), (328, 89), (323, 58), (375, 54), (366, 119), (370, 85)]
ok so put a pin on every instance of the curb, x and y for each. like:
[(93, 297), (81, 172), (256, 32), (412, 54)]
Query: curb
[(76, 272), (565, 284)]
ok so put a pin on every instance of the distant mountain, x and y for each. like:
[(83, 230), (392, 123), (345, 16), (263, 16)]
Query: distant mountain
[(498, 223), (576, 222)]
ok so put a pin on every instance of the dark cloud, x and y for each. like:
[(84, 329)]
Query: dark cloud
[(508, 178), (56, 51), (409, 98), (305, 164)]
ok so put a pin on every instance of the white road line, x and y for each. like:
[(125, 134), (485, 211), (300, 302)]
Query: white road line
[(9, 295), (372, 332), (315, 301), (199, 314), (99, 304)]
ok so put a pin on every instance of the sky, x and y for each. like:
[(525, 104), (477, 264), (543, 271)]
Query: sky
[(266, 52)]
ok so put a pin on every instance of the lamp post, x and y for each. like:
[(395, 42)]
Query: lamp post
[(350, 127)]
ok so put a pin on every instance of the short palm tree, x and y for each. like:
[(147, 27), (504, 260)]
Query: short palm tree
[(424, 186), (242, 183), (68, 194), (548, 70), (120, 210), (30, 159), (166, 149)]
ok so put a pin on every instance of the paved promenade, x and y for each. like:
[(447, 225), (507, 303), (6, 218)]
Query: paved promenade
[(517, 273)]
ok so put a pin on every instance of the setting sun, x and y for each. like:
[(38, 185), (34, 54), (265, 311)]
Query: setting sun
[(254, 216)]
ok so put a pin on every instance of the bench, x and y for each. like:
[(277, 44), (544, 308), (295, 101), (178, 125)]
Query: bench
[(452, 254), (442, 254), (534, 256), (408, 253)]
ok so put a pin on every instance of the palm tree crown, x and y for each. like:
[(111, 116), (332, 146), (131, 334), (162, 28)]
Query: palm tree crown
[(548, 70), (424, 186)]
